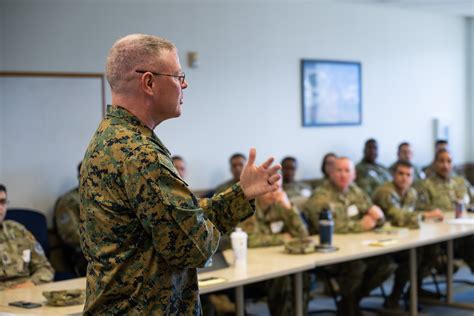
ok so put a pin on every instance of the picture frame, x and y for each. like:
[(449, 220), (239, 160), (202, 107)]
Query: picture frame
[(331, 92)]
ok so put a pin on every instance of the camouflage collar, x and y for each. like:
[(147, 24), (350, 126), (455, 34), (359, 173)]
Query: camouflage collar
[(437, 178), (132, 122)]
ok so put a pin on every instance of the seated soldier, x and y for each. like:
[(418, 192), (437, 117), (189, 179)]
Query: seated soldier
[(406, 154), (440, 192), (237, 162), (398, 201), (23, 263), (353, 212), (276, 221), (326, 166), (370, 174), (180, 165), (66, 222), (439, 144), (297, 191)]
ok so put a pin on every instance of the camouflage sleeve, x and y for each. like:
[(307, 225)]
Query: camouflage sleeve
[(227, 209), (311, 210), (257, 237), (181, 231), (397, 216), (40, 268), (424, 201), (67, 221), (367, 184), (295, 225), (470, 192)]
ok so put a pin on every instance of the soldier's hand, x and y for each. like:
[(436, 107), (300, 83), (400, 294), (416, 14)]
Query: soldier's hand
[(286, 237), (367, 222), (376, 213), (22, 285), (258, 180), (434, 214), (282, 198)]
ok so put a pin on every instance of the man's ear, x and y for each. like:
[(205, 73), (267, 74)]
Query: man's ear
[(147, 82)]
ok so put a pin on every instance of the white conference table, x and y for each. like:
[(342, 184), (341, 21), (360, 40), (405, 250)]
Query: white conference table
[(267, 263)]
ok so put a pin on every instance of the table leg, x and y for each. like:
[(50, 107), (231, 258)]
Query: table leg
[(239, 301), (298, 290), (449, 273), (414, 284)]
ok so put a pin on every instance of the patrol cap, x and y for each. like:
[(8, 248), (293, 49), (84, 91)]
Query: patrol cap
[(65, 297), (300, 246)]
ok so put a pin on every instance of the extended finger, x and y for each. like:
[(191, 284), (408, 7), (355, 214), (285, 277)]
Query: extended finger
[(252, 156), (272, 180), (267, 163)]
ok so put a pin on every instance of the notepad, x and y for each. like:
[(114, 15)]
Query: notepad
[(211, 281), (381, 242), (462, 221)]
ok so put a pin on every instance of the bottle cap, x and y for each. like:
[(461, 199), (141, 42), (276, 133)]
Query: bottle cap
[(325, 214)]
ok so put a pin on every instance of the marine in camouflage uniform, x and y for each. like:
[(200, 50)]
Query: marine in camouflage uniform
[(398, 201), (267, 228), (355, 279), (442, 190), (23, 259), (370, 174), (143, 231), (66, 220)]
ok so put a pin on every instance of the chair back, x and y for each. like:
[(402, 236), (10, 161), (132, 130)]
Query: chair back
[(34, 221)]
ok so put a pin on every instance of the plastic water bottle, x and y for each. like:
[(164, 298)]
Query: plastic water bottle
[(239, 246)]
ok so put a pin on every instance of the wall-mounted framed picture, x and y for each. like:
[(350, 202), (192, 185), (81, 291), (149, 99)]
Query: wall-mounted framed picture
[(331, 92)]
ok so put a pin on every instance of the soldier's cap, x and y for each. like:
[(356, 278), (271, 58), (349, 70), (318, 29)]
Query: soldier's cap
[(300, 246), (65, 297)]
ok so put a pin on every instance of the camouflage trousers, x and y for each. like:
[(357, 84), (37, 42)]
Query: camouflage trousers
[(464, 249), (358, 278)]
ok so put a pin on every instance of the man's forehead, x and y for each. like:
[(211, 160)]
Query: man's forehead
[(344, 163)]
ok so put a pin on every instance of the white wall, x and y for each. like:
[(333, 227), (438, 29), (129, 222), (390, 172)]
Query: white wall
[(2, 45), (246, 91), (470, 83)]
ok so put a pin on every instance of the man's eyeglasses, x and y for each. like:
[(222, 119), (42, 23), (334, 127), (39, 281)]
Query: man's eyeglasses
[(181, 77), (4, 201)]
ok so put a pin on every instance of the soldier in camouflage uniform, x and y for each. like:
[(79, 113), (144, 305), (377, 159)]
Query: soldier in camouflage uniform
[(143, 232), (298, 192), (353, 212), (439, 144), (398, 201), (66, 222), (237, 162), (440, 192), (370, 174), (406, 154), (276, 221), (23, 263)]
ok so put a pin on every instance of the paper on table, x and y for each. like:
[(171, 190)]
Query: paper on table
[(462, 220)]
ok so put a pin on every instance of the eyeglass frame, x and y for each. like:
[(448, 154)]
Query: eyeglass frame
[(181, 77)]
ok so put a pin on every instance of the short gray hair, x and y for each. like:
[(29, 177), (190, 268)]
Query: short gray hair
[(131, 52)]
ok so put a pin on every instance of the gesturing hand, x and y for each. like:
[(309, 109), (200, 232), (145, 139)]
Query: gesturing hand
[(258, 180)]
